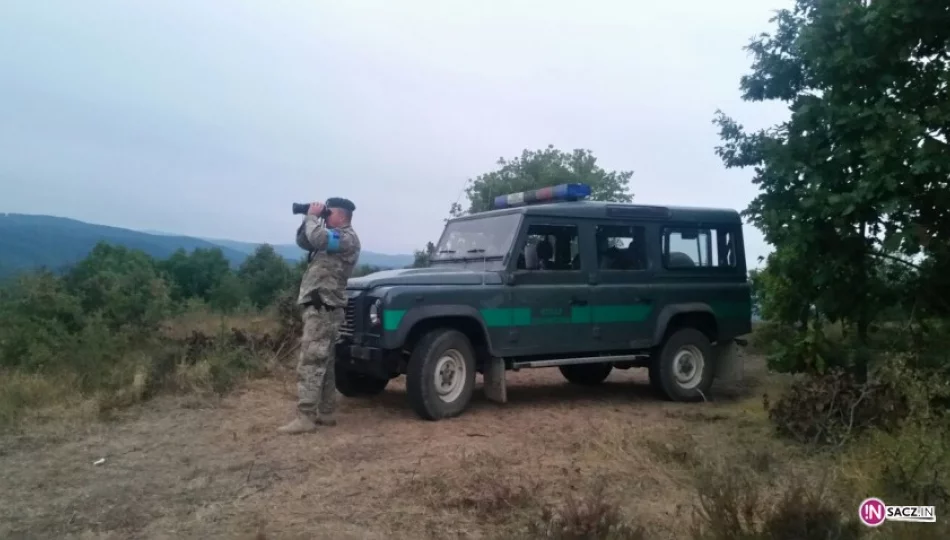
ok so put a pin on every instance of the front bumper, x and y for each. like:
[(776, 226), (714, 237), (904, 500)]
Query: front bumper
[(371, 361)]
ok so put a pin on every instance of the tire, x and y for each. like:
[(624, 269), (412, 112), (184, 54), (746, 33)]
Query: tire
[(449, 352), (684, 367), (586, 374), (352, 384)]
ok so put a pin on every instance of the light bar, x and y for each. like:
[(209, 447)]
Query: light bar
[(563, 192)]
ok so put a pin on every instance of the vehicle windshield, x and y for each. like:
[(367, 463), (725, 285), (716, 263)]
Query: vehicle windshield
[(477, 239)]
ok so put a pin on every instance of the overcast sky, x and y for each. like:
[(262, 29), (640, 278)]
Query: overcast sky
[(210, 117)]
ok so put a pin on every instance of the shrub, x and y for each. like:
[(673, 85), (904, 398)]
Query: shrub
[(265, 274), (908, 466), (122, 285), (830, 409), (592, 517), (732, 507), (38, 315)]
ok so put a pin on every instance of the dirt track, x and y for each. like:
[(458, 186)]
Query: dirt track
[(181, 468)]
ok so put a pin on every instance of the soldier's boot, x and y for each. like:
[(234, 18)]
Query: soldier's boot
[(326, 420), (301, 424)]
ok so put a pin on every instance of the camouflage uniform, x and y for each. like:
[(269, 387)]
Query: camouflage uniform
[(334, 253)]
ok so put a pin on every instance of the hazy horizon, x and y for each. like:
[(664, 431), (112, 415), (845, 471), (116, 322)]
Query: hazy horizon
[(208, 120)]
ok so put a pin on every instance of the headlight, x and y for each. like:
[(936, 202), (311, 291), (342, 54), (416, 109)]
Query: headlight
[(376, 312)]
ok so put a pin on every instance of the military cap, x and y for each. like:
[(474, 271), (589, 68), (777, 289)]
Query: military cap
[(340, 202)]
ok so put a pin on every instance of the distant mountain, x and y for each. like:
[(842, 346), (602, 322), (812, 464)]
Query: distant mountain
[(294, 253), (31, 241)]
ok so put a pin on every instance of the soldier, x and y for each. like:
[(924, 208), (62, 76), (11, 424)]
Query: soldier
[(334, 249)]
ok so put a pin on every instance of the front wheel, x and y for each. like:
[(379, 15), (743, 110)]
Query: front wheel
[(353, 384), (440, 377), (683, 368)]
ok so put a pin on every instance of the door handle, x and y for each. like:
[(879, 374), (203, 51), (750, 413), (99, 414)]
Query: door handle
[(578, 302)]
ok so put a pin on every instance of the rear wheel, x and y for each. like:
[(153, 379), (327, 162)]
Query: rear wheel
[(683, 368), (586, 374), (440, 377), (353, 384)]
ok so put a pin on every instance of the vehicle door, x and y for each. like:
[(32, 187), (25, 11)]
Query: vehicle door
[(623, 296), (550, 286)]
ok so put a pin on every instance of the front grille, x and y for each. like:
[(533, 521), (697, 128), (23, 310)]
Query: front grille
[(349, 318)]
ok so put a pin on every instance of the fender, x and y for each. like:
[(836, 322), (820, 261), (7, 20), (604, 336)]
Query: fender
[(671, 310), (417, 314)]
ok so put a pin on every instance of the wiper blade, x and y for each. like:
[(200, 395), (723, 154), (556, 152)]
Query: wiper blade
[(465, 259), (441, 251), (476, 250)]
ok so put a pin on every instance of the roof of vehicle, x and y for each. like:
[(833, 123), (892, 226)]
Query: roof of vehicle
[(622, 211)]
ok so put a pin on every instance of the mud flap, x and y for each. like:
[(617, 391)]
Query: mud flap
[(493, 379), (729, 363)]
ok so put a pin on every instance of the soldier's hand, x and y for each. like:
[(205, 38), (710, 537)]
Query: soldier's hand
[(315, 209)]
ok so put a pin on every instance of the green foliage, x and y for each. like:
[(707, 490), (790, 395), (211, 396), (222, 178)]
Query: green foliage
[(914, 463), (855, 182), (266, 275), (99, 332), (541, 168), (421, 257), (121, 285), (228, 294), (38, 315), (535, 169), (197, 274)]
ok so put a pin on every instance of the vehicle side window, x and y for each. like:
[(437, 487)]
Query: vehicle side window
[(691, 247), (621, 247), (550, 247)]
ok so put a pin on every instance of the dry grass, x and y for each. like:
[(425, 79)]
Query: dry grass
[(205, 321), (557, 462), (199, 354)]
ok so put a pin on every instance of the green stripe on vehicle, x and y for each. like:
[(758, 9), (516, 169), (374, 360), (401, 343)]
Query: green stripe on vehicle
[(496, 317), (619, 313), (502, 317), (392, 318)]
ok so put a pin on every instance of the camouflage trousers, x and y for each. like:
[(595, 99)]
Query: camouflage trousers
[(316, 385)]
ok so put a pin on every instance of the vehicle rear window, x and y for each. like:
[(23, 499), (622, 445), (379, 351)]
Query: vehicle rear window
[(699, 247)]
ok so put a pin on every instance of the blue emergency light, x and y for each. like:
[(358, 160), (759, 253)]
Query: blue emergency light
[(563, 192)]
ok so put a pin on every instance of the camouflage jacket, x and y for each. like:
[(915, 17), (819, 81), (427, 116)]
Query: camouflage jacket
[(333, 254)]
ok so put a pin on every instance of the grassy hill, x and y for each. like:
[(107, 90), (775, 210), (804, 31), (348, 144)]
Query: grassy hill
[(31, 241)]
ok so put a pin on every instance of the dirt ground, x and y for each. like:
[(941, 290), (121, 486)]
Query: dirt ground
[(201, 468)]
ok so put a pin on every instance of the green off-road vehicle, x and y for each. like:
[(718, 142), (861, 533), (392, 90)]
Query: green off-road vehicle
[(548, 280)]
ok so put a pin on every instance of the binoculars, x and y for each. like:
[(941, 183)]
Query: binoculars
[(303, 208)]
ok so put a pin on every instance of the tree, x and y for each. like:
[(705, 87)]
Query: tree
[(535, 169), (859, 173), (542, 168), (195, 275), (38, 315), (265, 275), (228, 293), (421, 256), (122, 285)]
